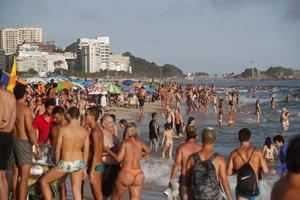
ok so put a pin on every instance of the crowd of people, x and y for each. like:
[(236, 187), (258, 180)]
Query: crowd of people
[(86, 143)]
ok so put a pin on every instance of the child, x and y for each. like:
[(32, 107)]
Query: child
[(167, 141)]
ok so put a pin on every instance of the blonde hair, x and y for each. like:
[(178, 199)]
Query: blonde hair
[(132, 130)]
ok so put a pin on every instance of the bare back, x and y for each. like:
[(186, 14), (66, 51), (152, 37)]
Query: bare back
[(23, 124), (133, 153), (73, 138), (257, 161), (185, 150), (7, 111)]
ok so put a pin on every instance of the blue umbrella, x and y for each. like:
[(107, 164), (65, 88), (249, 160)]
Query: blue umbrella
[(129, 89), (150, 89)]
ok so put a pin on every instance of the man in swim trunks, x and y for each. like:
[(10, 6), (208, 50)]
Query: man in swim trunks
[(221, 111), (60, 121), (96, 167), (24, 137), (183, 152), (112, 167), (246, 153), (131, 175), (71, 155), (141, 97), (7, 122)]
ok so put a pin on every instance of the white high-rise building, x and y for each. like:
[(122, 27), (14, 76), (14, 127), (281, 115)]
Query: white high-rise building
[(93, 54), (118, 63), (30, 57), (10, 38)]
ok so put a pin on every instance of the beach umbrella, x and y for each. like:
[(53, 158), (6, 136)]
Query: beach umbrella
[(97, 89), (150, 89), (64, 85), (128, 82), (113, 89), (129, 89), (137, 84)]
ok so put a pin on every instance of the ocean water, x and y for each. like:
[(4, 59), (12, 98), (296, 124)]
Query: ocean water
[(157, 171)]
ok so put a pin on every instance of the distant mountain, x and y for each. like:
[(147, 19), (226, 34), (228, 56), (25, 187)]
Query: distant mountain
[(278, 72), (144, 68)]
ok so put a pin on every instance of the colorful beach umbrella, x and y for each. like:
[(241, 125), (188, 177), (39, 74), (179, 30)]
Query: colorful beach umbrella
[(97, 89), (150, 89), (113, 89), (64, 85)]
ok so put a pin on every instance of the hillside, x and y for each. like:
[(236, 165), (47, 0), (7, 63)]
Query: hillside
[(278, 72), (144, 68)]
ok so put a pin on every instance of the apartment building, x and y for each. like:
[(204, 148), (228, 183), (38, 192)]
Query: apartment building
[(93, 54), (118, 63), (10, 38)]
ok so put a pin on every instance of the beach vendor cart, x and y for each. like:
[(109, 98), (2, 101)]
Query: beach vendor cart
[(38, 169)]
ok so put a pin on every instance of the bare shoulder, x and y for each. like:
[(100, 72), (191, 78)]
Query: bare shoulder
[(220, 159), (257, 152)]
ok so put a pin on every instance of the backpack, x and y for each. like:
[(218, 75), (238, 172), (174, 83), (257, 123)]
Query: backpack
[(246, 179), (204, 183)]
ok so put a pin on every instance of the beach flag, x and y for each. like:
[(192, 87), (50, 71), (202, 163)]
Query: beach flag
[(13, 76)]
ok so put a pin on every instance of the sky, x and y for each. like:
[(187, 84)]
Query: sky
[(213, 36)]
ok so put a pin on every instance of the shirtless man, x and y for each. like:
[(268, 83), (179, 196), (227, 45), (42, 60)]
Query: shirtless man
[(288, 187), (249, 158), (96, 167), (60, 120), (24, 137), (141, 97), (179, 123), (7, 122), (183, 152), (215, 102), (167, 141), (112, 167), (71, 155), (131, 175), (284, 119), (257, 111), (207, 154)]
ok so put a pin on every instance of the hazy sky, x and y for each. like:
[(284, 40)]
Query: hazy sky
[(214, 36)]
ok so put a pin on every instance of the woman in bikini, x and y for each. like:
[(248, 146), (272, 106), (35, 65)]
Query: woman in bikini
[(131, 175), (167, 141)]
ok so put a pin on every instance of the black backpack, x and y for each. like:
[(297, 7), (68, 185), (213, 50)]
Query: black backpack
[(246, 179), (204, 183)]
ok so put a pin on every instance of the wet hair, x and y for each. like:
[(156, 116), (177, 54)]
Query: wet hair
[(167, 126), (278, 138), (94, 111), (58, 110), (268, 142), (292, 156), (208, 135), (190, 119), (123, 122), (191, 131), (244, 135), (50, 102), (19, 91), (154, 114), (73, 112)]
